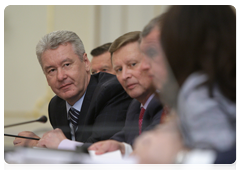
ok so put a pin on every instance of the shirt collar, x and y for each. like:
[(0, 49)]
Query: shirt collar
[(77, 105), (147, 102)]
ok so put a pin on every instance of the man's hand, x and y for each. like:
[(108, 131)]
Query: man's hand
[(107, 146), (51, 139), (26, 142), (158, 146)]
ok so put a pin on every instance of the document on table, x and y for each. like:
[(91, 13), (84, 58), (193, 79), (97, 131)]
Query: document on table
[(22, 155), (109, 161), (115, 155)]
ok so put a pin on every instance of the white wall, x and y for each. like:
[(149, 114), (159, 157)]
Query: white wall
[(26, 93), (24, 83), (117, 20)]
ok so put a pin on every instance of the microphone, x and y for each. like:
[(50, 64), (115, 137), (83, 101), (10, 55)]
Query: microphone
[(42, 119), (16, 136)]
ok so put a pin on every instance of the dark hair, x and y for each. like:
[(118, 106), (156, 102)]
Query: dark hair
[(157, 21), (202, 38), (124, 40), (100, 49)]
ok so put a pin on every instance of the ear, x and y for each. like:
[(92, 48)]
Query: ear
[(86, 62)]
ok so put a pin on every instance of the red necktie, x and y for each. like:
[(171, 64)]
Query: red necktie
[(165, 112), (141, 119)]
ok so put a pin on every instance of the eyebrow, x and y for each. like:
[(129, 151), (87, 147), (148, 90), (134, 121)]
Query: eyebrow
[(48, 67), (116, 67), (151, 51), (105, 67)]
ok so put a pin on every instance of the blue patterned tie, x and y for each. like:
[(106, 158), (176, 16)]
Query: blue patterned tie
[(74, 114)]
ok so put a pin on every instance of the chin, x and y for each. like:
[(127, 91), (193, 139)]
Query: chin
[(157, 85), (134, 95), (67, 95)]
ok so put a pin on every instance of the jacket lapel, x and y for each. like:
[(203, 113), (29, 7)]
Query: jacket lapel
[(85, 107), (62, 117)]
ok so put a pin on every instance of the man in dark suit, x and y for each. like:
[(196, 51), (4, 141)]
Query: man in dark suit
[(127, 63), (104, 98), (86, 108)]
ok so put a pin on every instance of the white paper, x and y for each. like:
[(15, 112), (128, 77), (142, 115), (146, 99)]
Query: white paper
[(36, 155), (115, 155)]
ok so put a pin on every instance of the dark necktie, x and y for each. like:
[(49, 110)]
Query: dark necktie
[(141, 120), (74, 114)]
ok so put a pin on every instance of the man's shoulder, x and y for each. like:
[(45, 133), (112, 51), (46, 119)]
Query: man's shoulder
[(108, 89), (133, 108), (155, 106), (105, 78), (107, 81), (135, 104), (56, 100)]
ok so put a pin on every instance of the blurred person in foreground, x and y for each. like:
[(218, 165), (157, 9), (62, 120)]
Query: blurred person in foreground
[(86, 108), (198, 46), (145, 111), (101, 61)]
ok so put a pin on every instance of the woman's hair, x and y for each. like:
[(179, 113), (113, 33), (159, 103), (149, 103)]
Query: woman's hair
[(202, 38)]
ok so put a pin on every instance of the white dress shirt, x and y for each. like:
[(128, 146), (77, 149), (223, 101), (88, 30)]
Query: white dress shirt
[(64, 144), (71, 145), (128, 148)]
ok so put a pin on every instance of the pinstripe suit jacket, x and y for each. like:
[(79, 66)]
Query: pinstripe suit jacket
[(151, 118), (103, 110)]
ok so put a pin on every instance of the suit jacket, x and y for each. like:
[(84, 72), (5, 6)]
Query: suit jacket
[(103, 111), (151, 118)]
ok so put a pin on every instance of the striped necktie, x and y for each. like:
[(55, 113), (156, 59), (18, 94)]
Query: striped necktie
[(74, 115)]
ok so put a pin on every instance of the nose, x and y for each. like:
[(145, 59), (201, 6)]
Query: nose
[(145, 64), (126, 73), (61, 74)]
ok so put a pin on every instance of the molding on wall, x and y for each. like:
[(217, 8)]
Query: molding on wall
[(97, 25), (41, 105), (124, 16), (50, 18)]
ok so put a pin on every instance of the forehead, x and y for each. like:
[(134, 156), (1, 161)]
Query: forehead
[(61, 50), (56, 56), (105, 57), (126, 53), (151, 38)]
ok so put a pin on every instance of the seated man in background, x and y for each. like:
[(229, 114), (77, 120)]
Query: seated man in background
[(101, 59), (198, 48), (145, 111), (86, 108)]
